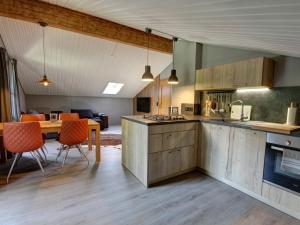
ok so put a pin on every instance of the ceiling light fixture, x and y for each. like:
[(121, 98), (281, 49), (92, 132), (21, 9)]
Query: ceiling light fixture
[(44, 81), (112, 88), (173, 79), (148, 76)]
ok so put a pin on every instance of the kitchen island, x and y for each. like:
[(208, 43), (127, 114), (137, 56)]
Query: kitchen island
[(157, 150)]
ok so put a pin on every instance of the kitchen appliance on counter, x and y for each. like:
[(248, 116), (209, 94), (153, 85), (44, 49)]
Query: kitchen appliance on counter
[(164, 117), (282, 161), (190, 109)]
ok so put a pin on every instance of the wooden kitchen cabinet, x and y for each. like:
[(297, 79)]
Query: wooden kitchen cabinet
[(188, 158), (233, 154), (158, 152), (214, 149), (204, 79), (228, 76), (287, 201), (217, 76), (163, 164), (246, 158), (247, 73)]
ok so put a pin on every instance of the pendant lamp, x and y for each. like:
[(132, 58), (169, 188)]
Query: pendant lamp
[(173, 79), (44, 81), (148, 76)]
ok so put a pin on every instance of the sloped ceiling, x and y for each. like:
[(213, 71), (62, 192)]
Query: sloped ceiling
[(78, 65), (270, 25)]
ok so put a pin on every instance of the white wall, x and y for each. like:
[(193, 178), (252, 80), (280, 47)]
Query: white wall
[(113, 107)]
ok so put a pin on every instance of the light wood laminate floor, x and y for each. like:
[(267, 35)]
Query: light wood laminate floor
[(110, 195)]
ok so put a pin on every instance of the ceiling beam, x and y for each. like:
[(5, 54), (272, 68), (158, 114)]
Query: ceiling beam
[(67, 19)]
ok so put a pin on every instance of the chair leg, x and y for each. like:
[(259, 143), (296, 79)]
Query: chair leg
[(41, 157), (67, 152), (19, 157), (12, 166), (43, 151), (38, 161), (45, 148), (81, 153), (60, 151)]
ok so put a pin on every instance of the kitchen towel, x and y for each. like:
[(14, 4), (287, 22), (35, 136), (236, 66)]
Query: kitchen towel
[(291, 161)]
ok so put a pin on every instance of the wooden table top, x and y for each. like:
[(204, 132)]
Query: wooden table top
[(57, 124)]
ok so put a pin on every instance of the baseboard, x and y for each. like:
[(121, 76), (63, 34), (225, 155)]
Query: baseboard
[(252, 194)]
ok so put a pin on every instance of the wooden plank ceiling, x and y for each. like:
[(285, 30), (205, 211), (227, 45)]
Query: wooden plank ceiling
[(79, 65), (60, 17), (268, 25)]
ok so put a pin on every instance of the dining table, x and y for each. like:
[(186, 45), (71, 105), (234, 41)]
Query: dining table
[(55, 126)]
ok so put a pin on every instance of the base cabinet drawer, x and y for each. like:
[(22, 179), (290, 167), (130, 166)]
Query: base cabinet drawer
[(178, 139), (188, 158), (155, 143), (285, 199), (171, 162), (155, 167)]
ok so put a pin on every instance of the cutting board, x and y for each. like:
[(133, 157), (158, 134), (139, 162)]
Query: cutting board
[(275, 127)]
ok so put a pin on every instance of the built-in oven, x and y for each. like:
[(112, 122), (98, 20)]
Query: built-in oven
[(282, 161)]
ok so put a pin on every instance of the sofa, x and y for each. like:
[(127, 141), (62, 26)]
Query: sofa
[(101, 118)]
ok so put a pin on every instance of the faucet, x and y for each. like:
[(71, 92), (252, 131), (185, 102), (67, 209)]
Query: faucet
[(242, 113)]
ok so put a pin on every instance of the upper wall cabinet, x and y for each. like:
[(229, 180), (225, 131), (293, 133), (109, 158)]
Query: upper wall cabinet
[(248, 73)]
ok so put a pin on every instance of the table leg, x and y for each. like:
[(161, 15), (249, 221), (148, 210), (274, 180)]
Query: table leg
[(98, 152), (90, 139)]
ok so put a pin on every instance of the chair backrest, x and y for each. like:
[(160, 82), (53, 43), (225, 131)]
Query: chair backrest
[(73, 132), (22, 137), (32, 117), (68, 116)]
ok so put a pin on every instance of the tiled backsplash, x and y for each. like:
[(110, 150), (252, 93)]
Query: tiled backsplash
[(269, 106)]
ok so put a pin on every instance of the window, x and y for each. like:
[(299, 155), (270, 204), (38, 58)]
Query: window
[(113, 88)]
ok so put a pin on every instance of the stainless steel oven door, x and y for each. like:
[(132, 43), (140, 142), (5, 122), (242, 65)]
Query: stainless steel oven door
[(273, 171)]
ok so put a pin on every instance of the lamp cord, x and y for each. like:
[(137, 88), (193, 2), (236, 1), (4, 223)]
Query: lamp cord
[(173, 53), (44, 50), (148, 48)]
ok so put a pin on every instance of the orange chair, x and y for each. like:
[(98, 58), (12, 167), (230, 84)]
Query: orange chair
[(32, 117), (72, 133), (68, 116), (22, 137)]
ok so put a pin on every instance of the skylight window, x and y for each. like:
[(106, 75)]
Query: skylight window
[(112, 88)]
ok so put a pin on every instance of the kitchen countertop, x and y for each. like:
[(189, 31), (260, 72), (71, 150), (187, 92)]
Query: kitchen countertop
[(254, 125), (142, 120)]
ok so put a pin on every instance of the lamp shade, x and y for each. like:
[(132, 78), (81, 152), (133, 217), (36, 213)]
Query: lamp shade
[(45, 81), (173, 79), (147, 76)]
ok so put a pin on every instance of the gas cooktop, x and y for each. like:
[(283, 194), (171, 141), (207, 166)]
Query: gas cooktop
[(164, 117)]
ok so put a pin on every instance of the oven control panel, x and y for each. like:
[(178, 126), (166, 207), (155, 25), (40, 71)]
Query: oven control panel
[(284, 140)]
